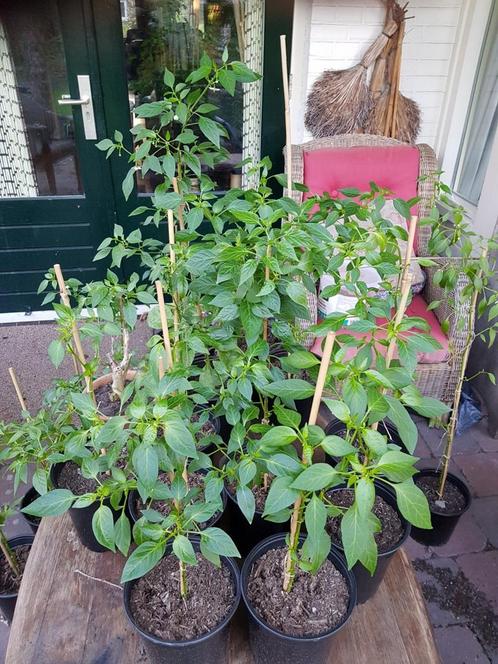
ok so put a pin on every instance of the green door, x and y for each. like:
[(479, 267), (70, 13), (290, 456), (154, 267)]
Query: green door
[(59, 197), (56, 198)]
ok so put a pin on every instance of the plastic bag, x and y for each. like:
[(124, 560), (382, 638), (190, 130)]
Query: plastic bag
[(469, 412)]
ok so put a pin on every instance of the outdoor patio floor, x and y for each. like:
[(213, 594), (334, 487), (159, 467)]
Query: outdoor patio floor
[(459, 580)]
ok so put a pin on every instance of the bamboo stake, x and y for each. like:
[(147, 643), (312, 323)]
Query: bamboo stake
[(20, 397), (181, 223), (78, 348), (295, 519), (401, 34), (160, 366), (172, 255), (458, 391), (164, 323)]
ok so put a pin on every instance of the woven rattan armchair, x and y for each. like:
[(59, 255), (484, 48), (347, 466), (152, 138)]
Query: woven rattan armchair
[(433, 379)]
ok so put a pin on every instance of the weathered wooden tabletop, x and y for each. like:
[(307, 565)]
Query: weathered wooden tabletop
[(70, 611)]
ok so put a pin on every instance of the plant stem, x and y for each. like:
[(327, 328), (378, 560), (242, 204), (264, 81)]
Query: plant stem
[(183, 580), (450, 436), (9, 554)]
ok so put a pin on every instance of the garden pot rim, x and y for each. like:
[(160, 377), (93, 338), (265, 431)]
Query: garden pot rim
[(30, 518), (407, 526), (336, 557), (456, 481), (13, 542), (235, 574)]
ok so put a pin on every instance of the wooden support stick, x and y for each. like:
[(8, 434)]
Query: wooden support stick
[(171, 236), (181, 223), (400, 312), (288, 132), (412, 230), (322, 376), (20, 397), (164, 323), (78, 348), (394, 120), (160, 366)]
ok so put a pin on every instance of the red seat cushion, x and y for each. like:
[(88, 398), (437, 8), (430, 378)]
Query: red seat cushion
[(393, 167), (418, 308)]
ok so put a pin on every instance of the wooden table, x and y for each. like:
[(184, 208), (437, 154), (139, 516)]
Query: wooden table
[(70, 611)]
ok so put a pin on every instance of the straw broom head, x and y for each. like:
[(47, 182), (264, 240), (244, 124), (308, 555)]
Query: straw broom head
[(407, 117)]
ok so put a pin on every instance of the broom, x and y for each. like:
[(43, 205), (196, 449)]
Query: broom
[(340, 101)]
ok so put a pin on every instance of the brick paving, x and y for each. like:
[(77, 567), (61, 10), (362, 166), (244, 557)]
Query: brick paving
[(459, 579)]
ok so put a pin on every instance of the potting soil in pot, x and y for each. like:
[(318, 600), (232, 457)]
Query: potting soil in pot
[(316, 603), (158, 608), (107, 402), (391, 530), (9, 583), (454, 500), (164, 506), (70, 477)]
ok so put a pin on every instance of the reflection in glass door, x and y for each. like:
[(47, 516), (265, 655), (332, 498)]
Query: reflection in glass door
[(37, 140), (174, 34)]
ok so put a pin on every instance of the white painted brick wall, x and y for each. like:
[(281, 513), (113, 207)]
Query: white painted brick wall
[(342, 30)]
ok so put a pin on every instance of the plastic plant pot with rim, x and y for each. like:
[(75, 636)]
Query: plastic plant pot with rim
[(8, 600), (32, 521), (443, 523), (366, 583), (82, 517), (210, 648), (270, 646)]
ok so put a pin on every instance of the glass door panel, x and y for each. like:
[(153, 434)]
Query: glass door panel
[(174, 34), (38, 155)]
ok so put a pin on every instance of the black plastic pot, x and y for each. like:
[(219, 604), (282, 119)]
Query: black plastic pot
[(366, 583), (443, 523), (270, 646), (211, 648), (82, 517), (247, 535), (8, 600), (33, 521)]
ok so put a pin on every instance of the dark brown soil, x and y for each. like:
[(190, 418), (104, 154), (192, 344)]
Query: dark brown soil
[(453, 499), (207, 429), (159, 610), (107, 405), (71, 478), (391, 526), (259, 492), (317, 602), (9, 583), (164, 506)]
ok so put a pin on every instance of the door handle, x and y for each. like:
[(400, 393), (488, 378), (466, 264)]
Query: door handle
[(86, 103), (66, 100)]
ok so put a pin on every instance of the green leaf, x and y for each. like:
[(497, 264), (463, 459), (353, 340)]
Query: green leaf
[(401, 419), (40, 481), (168, 78), (103, 527), (166, 200), (280, 495), (397, 466), (413, 504), (315, 516), (83, 404), (227, 80), (364, 496), (211, 130), (179, 437), (183, 550), (104, 144), (375, 441), (169, 166), (278, 437), (56, 352), (128, 183), (302, 359), (358, 539), (429, 407), (292, 388), (142, 560), (337, 446), (338, 408), (287, 417), (246, 502), (315, 477), (217, 541), (297, 293), (52, 503), (247, 471), (146, 465), (283, 464), (122, 534)]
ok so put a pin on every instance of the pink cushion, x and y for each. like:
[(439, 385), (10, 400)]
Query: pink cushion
[(393, 167), (418, 308)]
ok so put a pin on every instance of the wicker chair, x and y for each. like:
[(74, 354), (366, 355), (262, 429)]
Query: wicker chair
[(436, 380)]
